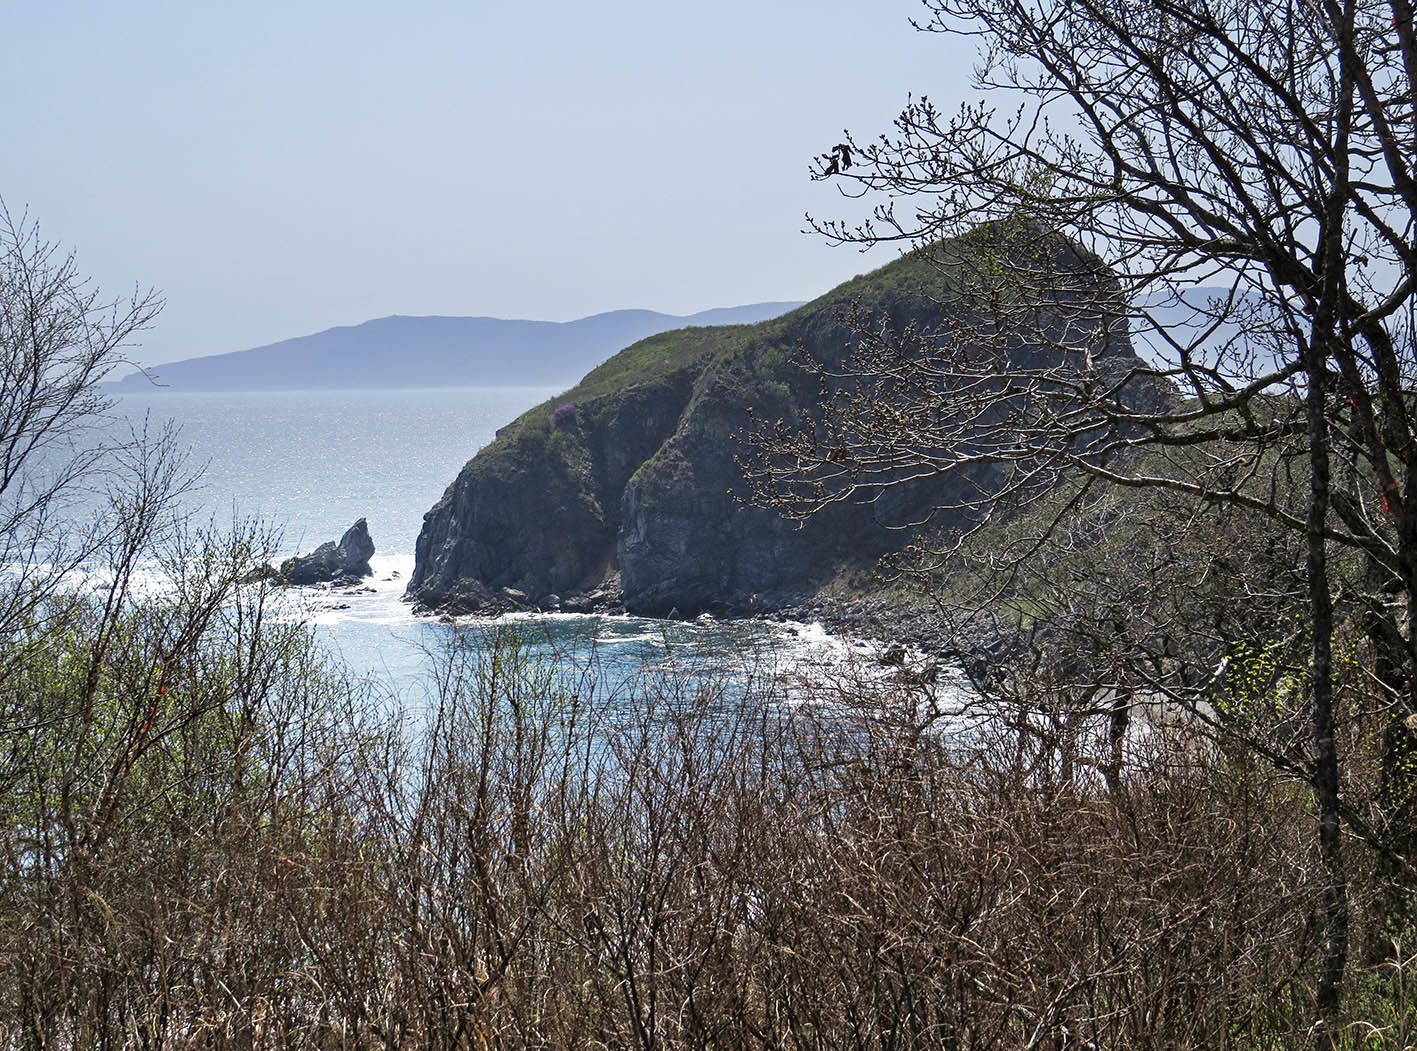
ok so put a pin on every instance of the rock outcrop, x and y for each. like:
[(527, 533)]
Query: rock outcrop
[(631, 473), (333, 561)]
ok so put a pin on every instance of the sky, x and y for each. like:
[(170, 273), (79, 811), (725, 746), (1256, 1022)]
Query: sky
[(275, 169)]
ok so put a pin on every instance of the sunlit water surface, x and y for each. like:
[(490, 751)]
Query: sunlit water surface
[(311, 462)]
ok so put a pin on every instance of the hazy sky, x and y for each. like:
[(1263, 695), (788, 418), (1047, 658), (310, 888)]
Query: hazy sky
[(276, 169)]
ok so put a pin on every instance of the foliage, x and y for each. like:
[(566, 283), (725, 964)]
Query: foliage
[(529, 867)]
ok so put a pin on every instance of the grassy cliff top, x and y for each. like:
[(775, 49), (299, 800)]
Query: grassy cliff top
[(657, 357)]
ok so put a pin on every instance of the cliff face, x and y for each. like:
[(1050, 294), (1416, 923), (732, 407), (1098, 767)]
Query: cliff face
[(539, 509), (684, 543), (632, 471)]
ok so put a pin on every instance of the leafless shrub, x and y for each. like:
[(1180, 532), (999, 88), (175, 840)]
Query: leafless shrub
[(533, 863)]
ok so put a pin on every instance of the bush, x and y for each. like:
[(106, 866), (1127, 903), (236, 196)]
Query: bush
[(239, 864)]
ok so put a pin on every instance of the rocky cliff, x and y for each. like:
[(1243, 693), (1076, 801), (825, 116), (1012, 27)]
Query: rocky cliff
[(631, 473)]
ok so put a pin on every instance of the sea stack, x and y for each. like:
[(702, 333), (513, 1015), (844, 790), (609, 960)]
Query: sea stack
[(333, 561)]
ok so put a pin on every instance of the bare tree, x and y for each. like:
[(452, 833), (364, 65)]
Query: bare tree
[(59, 339), (1262, 151)]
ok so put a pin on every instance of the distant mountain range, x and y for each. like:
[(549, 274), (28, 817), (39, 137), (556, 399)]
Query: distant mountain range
[(403, 352)]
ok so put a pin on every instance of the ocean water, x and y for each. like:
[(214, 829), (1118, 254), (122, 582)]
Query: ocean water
[(309, 463)]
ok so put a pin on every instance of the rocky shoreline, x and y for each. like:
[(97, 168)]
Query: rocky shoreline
[(908, 636), (902, 636)]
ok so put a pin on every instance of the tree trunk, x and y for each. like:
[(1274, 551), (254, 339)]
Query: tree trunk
[(1392, 909), (1334, 952), (1118, 721)]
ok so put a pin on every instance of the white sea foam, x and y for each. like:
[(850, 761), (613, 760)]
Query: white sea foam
[(378, 600)]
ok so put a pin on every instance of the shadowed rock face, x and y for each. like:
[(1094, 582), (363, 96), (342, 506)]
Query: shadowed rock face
[(632, 472), (330, 561), (538, 510)]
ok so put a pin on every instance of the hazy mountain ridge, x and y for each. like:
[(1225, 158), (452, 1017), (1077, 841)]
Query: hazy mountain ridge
[(402, 351)]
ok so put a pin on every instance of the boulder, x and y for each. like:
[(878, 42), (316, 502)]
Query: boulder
[(333, 561)]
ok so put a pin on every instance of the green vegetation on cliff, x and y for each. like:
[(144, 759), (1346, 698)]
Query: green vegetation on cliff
[(663, 354), (634, 468)]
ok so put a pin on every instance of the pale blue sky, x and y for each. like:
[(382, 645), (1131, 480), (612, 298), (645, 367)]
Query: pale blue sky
[(276, 169)]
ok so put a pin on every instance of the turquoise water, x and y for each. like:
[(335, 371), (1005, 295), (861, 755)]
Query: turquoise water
[(311, 462)]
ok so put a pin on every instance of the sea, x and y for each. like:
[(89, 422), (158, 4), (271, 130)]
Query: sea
[(307, 464)]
